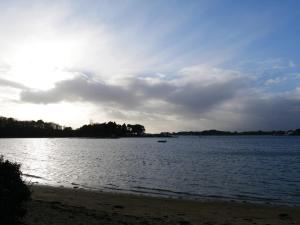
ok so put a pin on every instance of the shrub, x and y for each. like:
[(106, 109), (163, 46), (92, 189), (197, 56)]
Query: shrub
[(13, 192)]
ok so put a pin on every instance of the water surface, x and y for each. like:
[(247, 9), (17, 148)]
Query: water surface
[(253, 168)]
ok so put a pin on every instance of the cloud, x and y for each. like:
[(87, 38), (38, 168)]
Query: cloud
[(276, 80), (208, 97), (12, 84), (81, 89), (292, 64), (193, 93), (272, 112), (118, 42)]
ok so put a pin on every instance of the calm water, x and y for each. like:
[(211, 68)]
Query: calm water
[(263, 169)]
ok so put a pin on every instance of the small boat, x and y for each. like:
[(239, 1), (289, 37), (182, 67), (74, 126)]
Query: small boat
[(162, 141)]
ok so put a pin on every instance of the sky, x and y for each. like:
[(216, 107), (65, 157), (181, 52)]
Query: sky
[(169, 65)]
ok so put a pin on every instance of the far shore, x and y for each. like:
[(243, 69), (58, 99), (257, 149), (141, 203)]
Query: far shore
[(58, 205)]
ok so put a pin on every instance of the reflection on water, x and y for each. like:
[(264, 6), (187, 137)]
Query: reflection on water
[(243, 168)]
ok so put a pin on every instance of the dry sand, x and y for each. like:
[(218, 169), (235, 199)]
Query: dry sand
[(51, 205)]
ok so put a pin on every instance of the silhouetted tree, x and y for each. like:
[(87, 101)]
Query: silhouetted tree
[(136, 129), (124, 129), (296, 132)]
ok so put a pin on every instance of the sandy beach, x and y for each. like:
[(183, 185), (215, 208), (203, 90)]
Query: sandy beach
[(53, 205)]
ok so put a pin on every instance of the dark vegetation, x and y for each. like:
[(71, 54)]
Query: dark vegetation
[(10, 127), (13, 192), (229, 133), (110, 129)]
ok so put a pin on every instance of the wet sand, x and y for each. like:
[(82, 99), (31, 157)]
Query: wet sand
[(62, 206)]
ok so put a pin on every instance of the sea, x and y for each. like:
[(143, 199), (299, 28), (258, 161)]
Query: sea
[(261, 169)]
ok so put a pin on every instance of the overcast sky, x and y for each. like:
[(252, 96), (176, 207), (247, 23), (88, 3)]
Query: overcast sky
[(170, 65)]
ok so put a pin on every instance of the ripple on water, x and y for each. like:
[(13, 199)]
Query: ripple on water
[(240, 168)]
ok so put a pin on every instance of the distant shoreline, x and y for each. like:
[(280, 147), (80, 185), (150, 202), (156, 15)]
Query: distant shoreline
[(157, 136), (10, 127)]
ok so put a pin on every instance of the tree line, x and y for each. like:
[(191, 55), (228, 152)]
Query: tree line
[(10, 127), (230, 133)]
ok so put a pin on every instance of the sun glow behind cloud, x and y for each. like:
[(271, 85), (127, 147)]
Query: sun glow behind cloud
[(39, 64), (41, 48)]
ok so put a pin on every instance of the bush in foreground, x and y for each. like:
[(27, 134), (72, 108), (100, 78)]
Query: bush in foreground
[(13, 192)]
